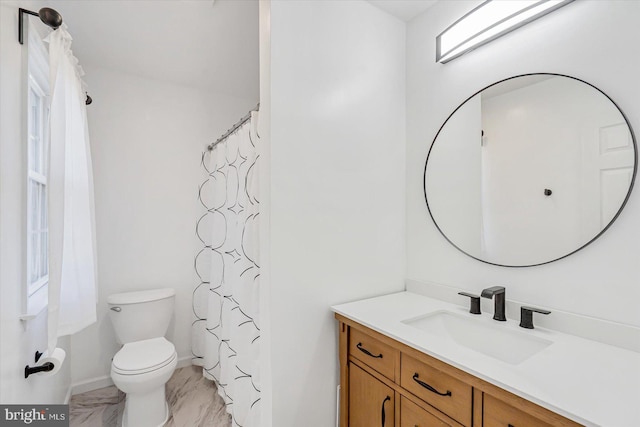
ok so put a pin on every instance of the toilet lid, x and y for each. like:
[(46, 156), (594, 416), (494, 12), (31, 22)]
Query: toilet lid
[(145, 355)]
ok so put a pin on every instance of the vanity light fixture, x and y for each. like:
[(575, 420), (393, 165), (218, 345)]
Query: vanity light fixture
[(490, 20)]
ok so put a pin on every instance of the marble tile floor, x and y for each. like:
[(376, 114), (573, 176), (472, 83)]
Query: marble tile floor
[(193, 402)]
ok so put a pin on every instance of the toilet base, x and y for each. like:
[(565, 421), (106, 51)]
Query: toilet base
[(146, 409)]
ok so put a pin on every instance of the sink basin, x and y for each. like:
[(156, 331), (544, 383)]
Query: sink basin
[(481, 334)]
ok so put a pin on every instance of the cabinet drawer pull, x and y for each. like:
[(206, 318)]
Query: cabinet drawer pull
[(428, 387), (367, 352), (383, 414)]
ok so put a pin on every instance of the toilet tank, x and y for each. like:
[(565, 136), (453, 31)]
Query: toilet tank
[(141, 315)]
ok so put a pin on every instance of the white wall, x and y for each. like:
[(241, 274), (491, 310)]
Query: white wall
[(147, 138), (337, 187), (18, 341), (587, 39), (264, 151)]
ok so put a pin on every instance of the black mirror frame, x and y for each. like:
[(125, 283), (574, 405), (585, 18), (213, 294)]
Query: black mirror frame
[(633, 178)]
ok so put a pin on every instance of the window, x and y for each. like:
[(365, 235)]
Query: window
[(37, 226), (37, 146)]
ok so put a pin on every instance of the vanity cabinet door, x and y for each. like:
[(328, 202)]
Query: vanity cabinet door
[(500, 414), (371, 403)]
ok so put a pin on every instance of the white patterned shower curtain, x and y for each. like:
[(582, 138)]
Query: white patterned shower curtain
[(226, 330)]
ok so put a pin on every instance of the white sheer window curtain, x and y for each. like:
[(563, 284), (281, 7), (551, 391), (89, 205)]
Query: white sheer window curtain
[(72, 244)]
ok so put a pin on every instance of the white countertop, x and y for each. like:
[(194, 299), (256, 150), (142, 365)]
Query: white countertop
[(586, 381)]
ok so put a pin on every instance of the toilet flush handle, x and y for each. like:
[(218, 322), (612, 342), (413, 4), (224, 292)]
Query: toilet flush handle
[(117, 309)]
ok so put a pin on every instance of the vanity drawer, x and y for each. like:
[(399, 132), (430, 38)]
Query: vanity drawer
[(499, 414), (442, 391), (374, 353), (411, 415)]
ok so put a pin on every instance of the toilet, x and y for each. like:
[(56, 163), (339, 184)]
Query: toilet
[(147, 359)]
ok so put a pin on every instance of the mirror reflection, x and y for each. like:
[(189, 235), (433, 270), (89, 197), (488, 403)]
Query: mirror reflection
[(530, 170)]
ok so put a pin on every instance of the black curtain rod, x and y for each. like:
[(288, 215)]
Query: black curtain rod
[(49, 17)]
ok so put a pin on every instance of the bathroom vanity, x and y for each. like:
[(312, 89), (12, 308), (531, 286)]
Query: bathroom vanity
[(407, 360)]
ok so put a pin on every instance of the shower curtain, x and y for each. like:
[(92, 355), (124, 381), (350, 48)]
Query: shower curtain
[(226, 328)]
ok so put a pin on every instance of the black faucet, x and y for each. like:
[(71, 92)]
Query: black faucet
[(499, 293)]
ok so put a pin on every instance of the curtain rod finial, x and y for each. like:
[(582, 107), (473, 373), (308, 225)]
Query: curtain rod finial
[(50, 17)]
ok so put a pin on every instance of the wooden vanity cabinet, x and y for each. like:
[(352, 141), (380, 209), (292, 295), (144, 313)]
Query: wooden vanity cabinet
[(385, 383)]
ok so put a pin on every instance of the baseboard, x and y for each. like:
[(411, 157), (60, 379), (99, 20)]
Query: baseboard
[(183, 362), (106, 381), (67, 398), (91, 384)]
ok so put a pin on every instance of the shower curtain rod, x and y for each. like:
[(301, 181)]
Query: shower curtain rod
[(235, 127), (49, 17)]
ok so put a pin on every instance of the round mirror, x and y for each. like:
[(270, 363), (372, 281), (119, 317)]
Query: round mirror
[(530, 170)]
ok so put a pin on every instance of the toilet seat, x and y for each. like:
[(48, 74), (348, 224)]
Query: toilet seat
[(145, 356)]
